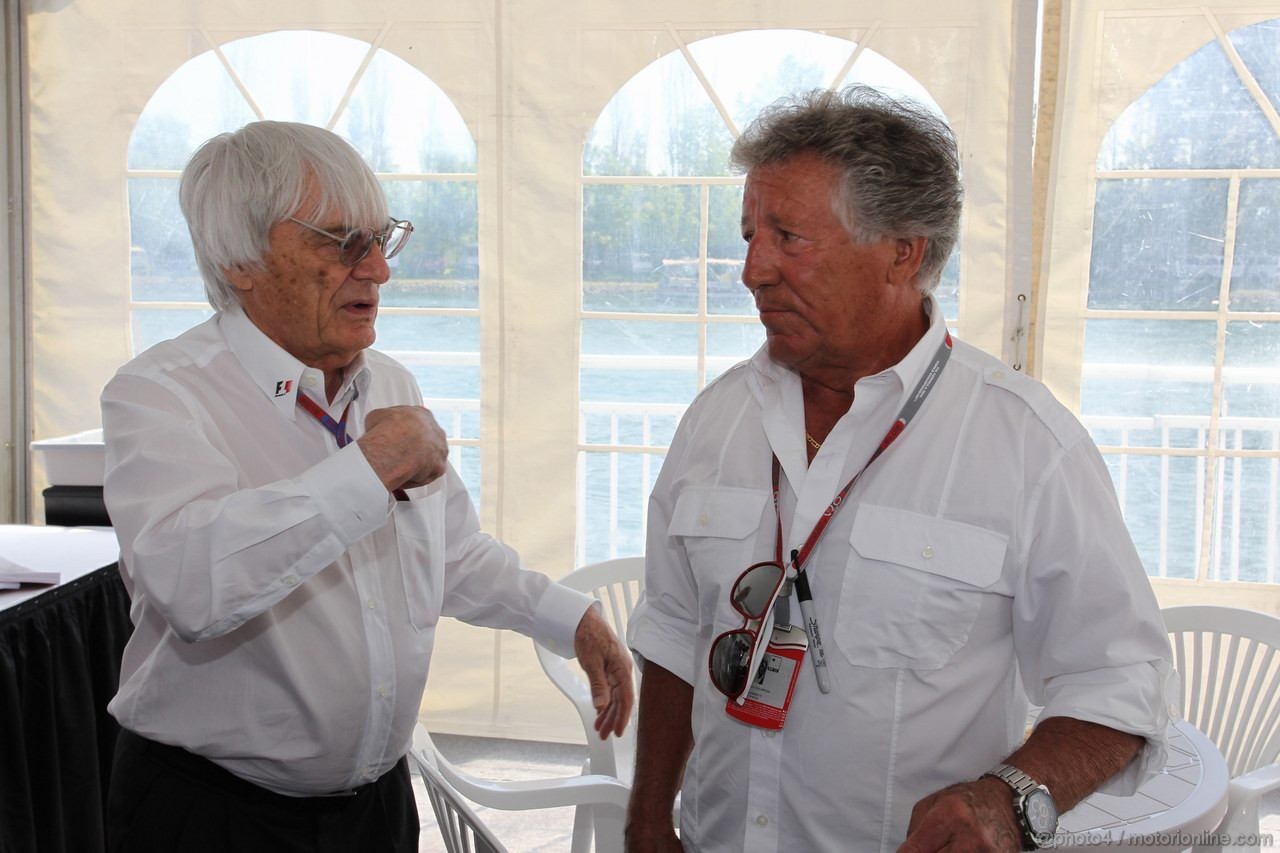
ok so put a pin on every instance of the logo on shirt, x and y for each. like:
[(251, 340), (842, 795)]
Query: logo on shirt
[(283, 387)]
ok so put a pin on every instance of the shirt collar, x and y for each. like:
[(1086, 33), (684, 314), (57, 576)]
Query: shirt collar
[(278, 374), (917, 361)]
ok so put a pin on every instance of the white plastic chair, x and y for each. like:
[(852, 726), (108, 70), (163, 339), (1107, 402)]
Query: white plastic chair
[(460, 826), (603, 798), (1229, 661), (617, 584)]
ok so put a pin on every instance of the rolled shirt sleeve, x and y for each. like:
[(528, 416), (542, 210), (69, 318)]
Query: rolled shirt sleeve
[(663, 627), (1088, 635)]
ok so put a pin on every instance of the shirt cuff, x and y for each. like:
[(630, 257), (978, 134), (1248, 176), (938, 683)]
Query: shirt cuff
[(1140, 699), (557, 616), (349, 494), (667, 642)]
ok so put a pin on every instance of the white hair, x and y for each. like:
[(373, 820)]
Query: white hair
[(238, 185)]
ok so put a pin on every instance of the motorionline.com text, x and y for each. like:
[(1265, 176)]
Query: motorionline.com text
[(1166, 839)]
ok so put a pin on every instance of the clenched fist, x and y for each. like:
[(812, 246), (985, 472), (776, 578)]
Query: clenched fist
[(404, 445)]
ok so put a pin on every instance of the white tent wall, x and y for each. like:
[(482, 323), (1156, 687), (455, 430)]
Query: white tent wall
[(1113, 52), (530, 78)]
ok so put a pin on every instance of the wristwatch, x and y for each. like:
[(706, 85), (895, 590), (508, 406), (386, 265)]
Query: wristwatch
[(1033, 806)]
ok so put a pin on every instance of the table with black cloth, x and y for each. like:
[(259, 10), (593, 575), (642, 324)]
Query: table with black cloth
[(60, 657)]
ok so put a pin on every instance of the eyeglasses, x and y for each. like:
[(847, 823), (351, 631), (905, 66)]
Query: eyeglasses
[(353, 248), (752, 595)]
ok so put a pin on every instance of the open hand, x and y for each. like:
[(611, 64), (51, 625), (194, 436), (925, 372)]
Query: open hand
[(608, 667)]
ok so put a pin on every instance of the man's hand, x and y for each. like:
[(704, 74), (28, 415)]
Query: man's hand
[(405, 446), (972, 816), (1070, 757), (608, 667)]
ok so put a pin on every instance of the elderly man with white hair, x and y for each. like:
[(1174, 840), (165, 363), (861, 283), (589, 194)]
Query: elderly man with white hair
[(291, 530)]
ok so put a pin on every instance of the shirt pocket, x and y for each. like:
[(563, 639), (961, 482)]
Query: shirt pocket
[(420, 539), (913, 587), (718, 527)]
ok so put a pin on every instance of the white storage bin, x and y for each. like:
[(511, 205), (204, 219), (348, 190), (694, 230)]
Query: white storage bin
[(74, 460)]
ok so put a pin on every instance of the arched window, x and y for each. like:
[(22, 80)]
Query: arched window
[(1180, 379), (408, 131), (664, 310)]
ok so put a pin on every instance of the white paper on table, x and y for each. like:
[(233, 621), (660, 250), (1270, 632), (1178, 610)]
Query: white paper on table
[(48, 554), (12, 575)]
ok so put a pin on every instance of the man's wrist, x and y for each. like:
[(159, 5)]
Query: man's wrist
[(1034, 810)]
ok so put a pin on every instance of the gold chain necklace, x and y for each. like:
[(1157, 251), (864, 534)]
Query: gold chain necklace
[(813, 442)]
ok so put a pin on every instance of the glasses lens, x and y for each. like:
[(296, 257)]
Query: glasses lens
[(753, 591), (397, 236), (730, 657), (355, 246)]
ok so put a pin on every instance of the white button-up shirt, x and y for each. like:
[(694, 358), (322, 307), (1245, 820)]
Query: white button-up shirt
[(284, 603), (980, 561)]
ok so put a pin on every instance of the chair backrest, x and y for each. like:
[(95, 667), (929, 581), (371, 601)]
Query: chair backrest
[(617, 585), (1229, 661), (460, 827)]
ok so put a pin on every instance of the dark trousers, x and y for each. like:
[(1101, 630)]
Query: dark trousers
[(166, 800)]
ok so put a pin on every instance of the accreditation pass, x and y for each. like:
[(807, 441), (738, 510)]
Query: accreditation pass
[(769, 697)]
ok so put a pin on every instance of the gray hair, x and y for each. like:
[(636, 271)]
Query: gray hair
[(238, 185), (900, 164)]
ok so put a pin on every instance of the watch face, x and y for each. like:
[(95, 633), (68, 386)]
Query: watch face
[(1040, 813)]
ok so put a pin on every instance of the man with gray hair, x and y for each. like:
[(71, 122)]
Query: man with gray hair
[(871, 546), (291, 531)]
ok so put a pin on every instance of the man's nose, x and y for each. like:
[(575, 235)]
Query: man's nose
[(372, 267), (758, 270)]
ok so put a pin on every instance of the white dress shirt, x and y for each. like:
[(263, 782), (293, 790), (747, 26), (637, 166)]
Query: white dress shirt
[(980, 560), (285, 604)]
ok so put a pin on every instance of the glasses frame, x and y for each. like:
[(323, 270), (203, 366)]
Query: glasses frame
[(746, 628), (378, 238)]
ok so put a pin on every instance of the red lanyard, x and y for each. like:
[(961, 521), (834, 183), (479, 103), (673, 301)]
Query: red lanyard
[(338, 428), (909, 410)]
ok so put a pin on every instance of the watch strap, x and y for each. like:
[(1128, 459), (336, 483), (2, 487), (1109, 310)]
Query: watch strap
[(1014, 778), (1023, 786)]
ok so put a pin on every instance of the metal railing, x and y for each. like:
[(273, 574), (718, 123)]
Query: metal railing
[(1234, 511), (1239, 439), (612, 505)]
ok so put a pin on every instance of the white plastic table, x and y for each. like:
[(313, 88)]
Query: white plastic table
[(1187, 799)]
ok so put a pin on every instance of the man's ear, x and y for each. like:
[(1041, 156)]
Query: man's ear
[(238, 275), (908, 255)]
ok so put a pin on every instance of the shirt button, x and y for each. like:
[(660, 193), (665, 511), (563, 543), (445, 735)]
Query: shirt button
[(928, 552), (309, 381), (704, 519), (382, 691), (761, 820), (997, 374), (372, 604), (770, 734), (291, 580)]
